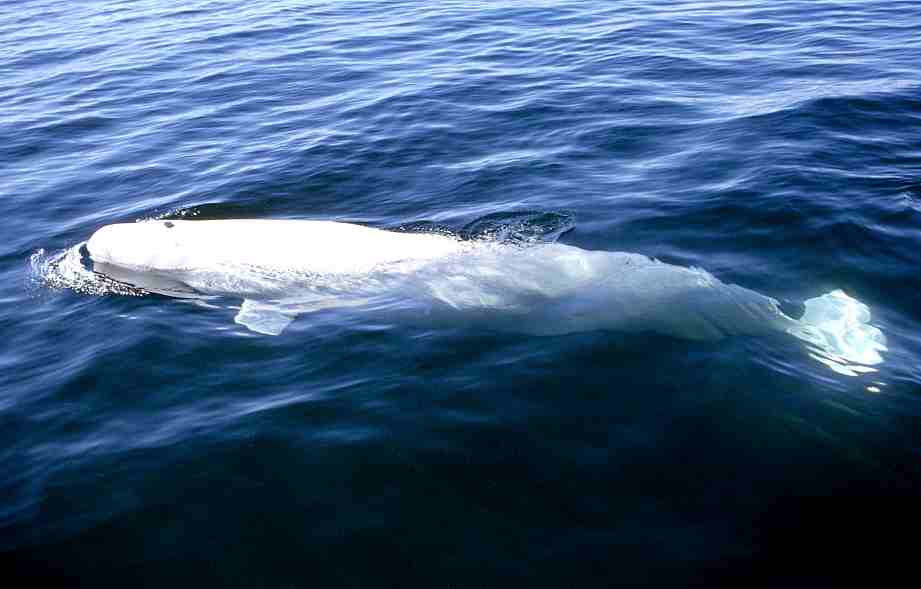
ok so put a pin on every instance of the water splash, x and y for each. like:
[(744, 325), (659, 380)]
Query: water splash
[(66, 270), (509, 228), (522, 227)]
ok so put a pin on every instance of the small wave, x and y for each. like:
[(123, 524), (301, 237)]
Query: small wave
[(427, 227), (508, 228), (520, 227), (65, 270), (872, 98), (175, 213)]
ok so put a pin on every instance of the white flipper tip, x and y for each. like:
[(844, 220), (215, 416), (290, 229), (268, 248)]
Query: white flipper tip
[(837, 326), (262, 318)]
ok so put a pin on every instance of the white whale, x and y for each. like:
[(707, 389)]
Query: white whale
[(284, 268)]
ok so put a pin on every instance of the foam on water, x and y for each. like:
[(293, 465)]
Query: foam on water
[(66, 270)]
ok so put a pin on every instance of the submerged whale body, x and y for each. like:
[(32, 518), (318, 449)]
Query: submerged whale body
[(282, 269)]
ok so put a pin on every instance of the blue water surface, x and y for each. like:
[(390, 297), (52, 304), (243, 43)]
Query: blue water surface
[(776, 144)]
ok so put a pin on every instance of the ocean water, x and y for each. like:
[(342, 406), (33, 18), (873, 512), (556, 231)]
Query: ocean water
[(144, 440)]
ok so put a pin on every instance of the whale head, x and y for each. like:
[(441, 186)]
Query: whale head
[(139, 246)]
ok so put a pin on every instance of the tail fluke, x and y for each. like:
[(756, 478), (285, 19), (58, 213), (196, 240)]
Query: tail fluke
[(838, 329)]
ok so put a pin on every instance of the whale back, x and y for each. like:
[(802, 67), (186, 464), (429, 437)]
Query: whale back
[(303, 265), (322, 247)]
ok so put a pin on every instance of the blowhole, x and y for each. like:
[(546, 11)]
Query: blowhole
[(85, 259)]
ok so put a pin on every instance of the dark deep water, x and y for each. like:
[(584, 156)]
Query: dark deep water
[(776, 144)]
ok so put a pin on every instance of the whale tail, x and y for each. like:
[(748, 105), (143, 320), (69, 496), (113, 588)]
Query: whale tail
[(837, 328)]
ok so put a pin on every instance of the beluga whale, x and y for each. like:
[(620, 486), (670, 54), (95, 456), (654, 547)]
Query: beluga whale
[(278, 270)]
